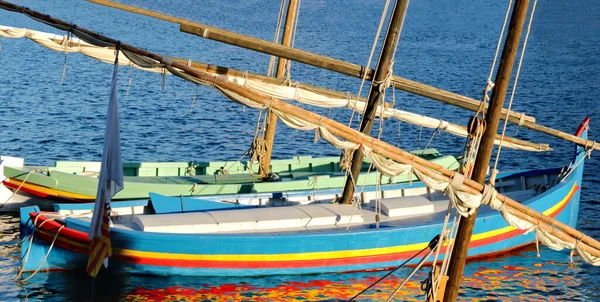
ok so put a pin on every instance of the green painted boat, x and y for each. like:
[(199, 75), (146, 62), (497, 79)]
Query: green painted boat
[(79, 179)]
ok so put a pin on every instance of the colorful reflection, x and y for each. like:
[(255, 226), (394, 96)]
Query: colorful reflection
[(534, 279)]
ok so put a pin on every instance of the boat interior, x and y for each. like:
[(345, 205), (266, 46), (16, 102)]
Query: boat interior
[(399, 205)]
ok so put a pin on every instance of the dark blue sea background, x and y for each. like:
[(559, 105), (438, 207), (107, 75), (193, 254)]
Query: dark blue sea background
[(447, 44)]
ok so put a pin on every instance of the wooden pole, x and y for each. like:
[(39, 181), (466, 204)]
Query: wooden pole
[(426, 167), (308, 58), (286, 40), (482, 162), (383, 70), (344, 68)]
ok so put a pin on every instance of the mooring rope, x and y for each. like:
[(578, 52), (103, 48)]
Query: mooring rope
[(434, 242), (17, 190), (46, 256)]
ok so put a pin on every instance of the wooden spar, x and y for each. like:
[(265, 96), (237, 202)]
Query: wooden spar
[(426, 167), (238, 73), (308, 58), (331, 93), (343, 68), (286, 40), (383, 70), (482, 162)]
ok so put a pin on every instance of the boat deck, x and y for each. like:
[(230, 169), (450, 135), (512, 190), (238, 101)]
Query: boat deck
[(314, 217)]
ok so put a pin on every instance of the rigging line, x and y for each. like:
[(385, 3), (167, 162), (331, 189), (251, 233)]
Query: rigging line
[(514, 89), (276, 38), (397, 267), (17, 190), (490, 84), (420, 133), (66, 41), (288, 63), (446, 236), (47, 254), (130, 80), (411, 274), (193, 105), (364, 76), (430, 139)]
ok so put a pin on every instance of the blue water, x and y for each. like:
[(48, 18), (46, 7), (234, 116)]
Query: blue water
[(448, 44)]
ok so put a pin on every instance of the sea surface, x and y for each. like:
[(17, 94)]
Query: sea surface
[(447, 44)]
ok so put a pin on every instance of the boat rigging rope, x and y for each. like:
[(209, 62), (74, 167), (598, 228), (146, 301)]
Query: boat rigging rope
[(47, 254), (476, 129), (130, 80), (276, 38), (431, 245), (17, 190), (490, 83), (32, 235), (288, 63), (373, 46), (65, 43), (512, 95), (446, 236), (193, 105)]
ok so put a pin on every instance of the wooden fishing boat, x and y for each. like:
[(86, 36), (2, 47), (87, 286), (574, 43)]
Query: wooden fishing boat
[(198, 237), (314, 238), (78, 181)]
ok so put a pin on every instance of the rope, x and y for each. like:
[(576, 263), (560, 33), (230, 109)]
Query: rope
[(514, 89), (47, 254), (415, 269), (194, 99), (476, 129), (30, 243), (17, 190), (66, 41), (364, 76), (288, 63), (490, 84), (396, 268), (346, 159), (430, 139), (129, 81), (276, 38), (258, 149), (163, 82), (314, 182)]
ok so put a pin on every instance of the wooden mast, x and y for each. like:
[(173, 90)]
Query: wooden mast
[(286, 40), (465, 229), (383, 71)]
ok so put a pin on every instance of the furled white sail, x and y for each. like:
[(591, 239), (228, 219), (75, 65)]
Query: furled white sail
[(289, 91)]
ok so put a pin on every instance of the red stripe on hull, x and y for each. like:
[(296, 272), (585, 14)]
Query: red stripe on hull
[(25, 189), (81, 237)]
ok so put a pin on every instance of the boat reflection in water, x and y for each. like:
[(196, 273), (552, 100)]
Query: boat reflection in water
[(492, 278)]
